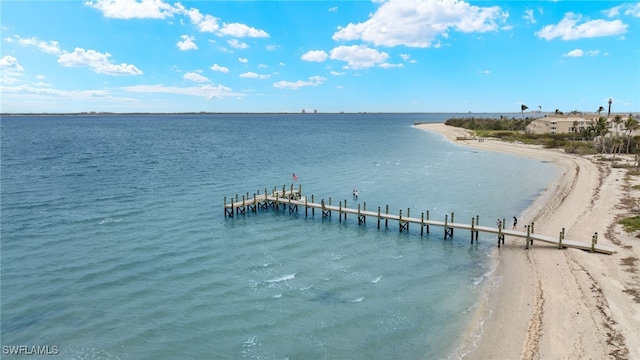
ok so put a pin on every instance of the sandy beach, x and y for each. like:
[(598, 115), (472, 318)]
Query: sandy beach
[(563, 304)]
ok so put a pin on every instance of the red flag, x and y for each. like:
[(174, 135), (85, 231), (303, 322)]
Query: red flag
[(295, 178)]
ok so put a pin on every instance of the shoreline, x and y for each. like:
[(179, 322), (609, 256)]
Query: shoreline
[(549, 303)]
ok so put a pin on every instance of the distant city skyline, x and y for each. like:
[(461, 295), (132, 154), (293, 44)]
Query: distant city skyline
[(128, 56)]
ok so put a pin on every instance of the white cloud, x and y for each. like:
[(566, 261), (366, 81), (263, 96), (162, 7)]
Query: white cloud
[(64, 94), (528, 16), (51, 47), (253, 75), (614, 11), (580, 52), (272, 47), (243, 60), (263, 66), (187, 43), (241, 30), (336, 73), (204, 23), (98, 62), (632, 9), (405, 57), (9, 70), (389, 66), (216, 67), (206, 91), (315, 56), (132, 9), (194, 76), (484, 72), (417, 23), (237, 44), (9, 63), (313, 81), (333, 9), (358, 56), (567, 28)]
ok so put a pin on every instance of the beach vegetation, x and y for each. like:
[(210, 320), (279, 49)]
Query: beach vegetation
[(630, 224), (500, 124), (636, 187), (579, 148), (633, 172), (593, 139)]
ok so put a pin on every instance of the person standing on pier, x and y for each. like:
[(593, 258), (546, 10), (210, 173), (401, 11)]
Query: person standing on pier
[(515, 222)]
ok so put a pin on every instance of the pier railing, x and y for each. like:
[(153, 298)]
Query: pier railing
[(291, 198)]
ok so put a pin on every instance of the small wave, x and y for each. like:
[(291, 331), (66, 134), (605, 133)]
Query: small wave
[(357, 300), (276, 296), (109, 220), (306, 288), (375, 281), (283, 278)]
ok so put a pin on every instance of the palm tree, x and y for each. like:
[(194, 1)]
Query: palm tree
[(575, 128), (609, 112), (598, 129), (600, 109), (601, 126), (630, 125), (617, 120)]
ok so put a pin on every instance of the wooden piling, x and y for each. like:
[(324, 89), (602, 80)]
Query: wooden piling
[(473, 227), (452, 222), (446, 222), (378, 217), (560, 239), (364, 208), (528, 236), (422, 224), (500, 236), (427, 221), (386, 219), (345, 205)]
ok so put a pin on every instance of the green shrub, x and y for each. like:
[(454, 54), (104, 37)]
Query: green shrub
[(630, 224)]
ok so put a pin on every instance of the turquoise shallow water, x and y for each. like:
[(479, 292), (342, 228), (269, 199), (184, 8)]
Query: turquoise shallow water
[(114, 243)]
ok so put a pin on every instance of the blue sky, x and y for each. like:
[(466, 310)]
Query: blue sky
[(333, 56)]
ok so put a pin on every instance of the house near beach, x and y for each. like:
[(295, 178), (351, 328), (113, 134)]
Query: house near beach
[(574, 123)]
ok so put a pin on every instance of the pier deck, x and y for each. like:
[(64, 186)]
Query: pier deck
[(293, 199)]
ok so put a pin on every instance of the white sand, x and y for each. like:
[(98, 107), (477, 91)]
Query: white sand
[(564, 304)]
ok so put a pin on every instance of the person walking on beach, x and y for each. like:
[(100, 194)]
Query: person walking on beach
[(515, 222)]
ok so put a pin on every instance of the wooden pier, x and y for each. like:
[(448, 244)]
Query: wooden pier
[(293, 200)]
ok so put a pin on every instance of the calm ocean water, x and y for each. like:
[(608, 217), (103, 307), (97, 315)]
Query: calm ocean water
[(114, 243)]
